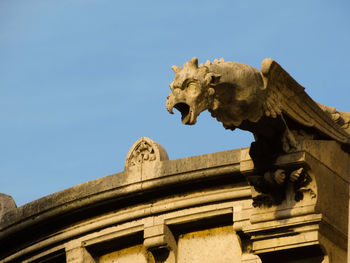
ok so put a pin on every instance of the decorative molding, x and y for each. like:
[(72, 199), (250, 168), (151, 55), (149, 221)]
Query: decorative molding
[(144, 152), (273, 187)]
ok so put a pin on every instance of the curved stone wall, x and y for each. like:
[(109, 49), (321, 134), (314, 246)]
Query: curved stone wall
[(197, 209)]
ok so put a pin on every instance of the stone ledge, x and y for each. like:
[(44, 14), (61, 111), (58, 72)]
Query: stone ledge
[(121, 187), (118, 185)]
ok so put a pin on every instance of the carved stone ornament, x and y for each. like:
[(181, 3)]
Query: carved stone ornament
[(272, 186), (269, 103), (145, 150)]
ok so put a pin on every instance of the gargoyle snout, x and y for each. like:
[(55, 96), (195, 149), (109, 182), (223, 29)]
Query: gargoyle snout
[(170, 102), (187, 115)]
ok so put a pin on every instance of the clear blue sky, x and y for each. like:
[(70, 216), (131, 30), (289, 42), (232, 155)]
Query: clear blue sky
[(81, 81)]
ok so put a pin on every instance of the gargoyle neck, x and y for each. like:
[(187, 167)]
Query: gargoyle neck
[(231, 111), (221, 114)]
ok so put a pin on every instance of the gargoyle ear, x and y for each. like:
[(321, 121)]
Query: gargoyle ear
[(213, 78)]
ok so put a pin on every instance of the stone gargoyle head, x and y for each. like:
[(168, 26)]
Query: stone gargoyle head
[(191, 90), (231, 92)]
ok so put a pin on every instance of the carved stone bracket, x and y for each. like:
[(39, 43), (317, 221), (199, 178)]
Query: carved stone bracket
[(161, 243), (273, 187)]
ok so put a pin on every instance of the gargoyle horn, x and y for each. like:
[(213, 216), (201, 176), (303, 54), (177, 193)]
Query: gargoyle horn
[(176, 69), (193, 63)]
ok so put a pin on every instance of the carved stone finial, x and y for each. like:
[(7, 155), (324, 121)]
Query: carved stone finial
[(142, 153), (145, 150)]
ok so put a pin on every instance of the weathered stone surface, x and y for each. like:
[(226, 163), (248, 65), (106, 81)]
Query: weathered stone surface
[(211, 245), (6, 204), (160, 242), (75, 253), (144, 151), (144, 160), (135, 254)]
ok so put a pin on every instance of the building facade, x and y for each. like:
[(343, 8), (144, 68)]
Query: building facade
[(196, 209)]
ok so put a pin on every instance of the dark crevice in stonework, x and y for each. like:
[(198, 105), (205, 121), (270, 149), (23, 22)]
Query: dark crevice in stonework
[(308, 254), (116, 244)]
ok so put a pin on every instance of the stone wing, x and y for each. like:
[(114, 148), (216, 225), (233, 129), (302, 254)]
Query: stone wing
[(285, 95)]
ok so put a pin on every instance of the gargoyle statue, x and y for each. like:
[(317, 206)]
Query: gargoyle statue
[(269, 103)]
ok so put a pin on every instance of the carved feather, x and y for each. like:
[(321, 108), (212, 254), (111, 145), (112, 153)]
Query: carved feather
[(286, 95)]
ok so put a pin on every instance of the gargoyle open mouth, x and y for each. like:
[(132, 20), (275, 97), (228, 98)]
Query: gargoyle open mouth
[(186, 113)]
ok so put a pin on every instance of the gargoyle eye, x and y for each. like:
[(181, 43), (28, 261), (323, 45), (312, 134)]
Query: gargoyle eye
[(188, 83), (192, 84), (177, 90)]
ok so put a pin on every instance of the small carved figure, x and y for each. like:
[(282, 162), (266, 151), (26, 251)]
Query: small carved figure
[(269, 103)]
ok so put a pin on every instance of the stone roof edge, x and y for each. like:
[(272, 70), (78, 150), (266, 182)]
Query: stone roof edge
[(120, 185), (117, 185)]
